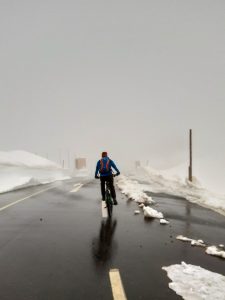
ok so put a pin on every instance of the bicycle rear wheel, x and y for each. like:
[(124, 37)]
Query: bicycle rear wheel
[(109, 204)]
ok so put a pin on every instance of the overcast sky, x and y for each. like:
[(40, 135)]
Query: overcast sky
[(129, 76)]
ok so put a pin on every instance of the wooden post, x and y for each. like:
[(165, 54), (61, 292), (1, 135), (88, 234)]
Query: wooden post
[(190, 150)]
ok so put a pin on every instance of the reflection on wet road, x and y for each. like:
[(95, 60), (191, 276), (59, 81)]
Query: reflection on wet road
[(103, 247)]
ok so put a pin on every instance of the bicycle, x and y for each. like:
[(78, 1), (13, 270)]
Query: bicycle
[(108, 197)]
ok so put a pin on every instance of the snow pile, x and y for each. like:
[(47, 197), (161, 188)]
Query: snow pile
[(192, 241), (213, 250), (152, 213), (164, 222), (19, 169), (133, 190), (169, 183), (193, 282)]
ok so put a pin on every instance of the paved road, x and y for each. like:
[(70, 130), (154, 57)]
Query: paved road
[(54, 244)]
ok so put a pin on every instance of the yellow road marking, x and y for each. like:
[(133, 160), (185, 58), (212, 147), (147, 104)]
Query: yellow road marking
[(27, 197), (116, 285)]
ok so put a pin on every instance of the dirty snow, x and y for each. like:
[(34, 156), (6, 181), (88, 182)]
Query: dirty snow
[(195, 283)]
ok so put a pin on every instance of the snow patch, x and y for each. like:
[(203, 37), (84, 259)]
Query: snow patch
[(213, 250), (193, 282), (164, 221), (192, 241), (152, 213)]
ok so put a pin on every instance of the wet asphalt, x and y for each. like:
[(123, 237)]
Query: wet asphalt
[(56, 245)]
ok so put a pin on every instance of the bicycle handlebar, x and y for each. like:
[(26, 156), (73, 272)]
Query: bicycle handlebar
[(114, 175)]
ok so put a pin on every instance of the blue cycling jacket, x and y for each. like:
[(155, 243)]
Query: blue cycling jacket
[(111, 165)]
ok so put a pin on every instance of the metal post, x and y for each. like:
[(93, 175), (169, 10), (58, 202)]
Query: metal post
[(190, 150)]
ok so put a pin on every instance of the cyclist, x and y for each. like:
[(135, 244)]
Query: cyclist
[(104, 168)]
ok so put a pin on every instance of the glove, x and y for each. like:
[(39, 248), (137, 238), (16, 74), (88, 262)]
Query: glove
[(96, 177), (118, 173)]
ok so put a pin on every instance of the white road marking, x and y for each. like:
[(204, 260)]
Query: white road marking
[(104, 210), (117, 285), (77, 187), (25, 198)]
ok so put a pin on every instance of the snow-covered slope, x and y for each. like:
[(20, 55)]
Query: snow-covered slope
[(173, 182), (20, 169), (26, 159)]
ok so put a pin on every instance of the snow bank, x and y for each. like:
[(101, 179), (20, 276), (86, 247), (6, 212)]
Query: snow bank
[(26, 159), (193, 282), (133, 190), (19, 169), (169, 183)]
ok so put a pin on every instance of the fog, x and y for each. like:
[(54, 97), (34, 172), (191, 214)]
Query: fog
[(127, 77)]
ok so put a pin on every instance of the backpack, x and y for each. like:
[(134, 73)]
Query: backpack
[(104, 166)]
